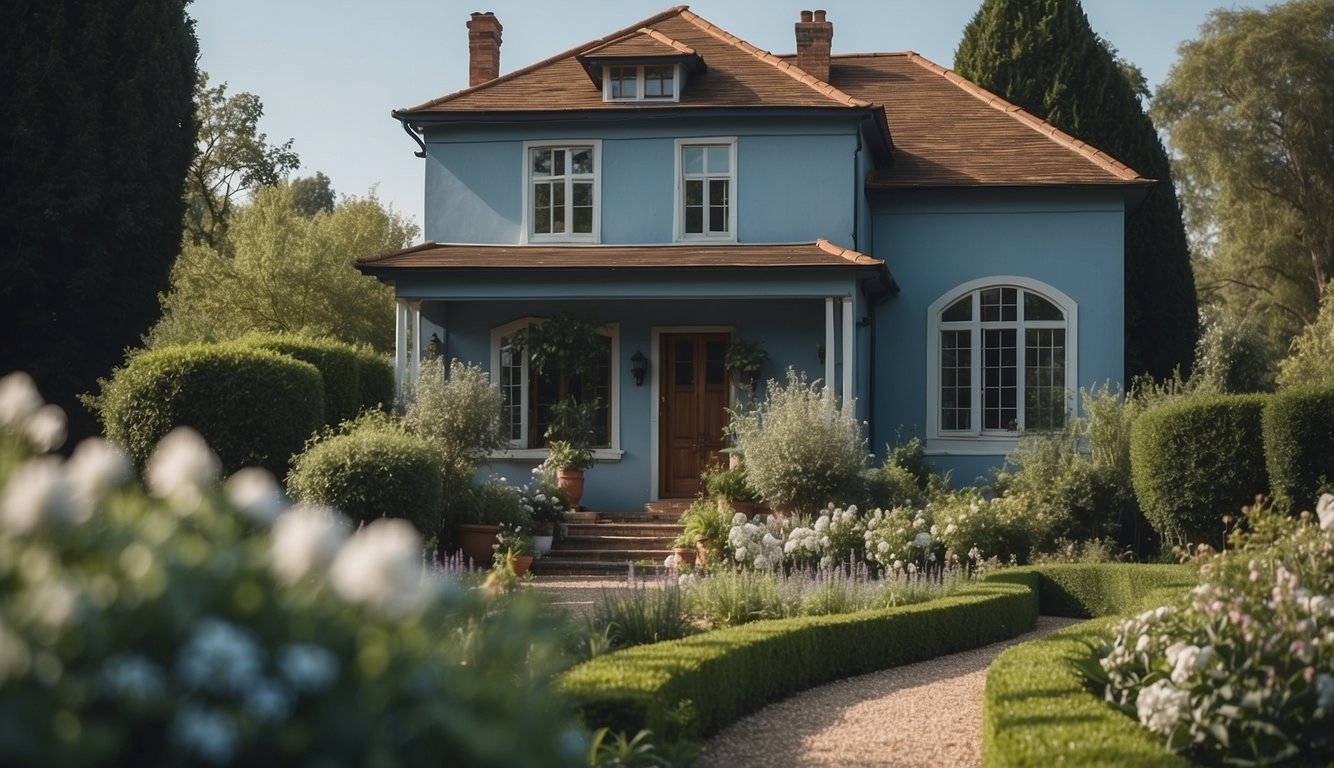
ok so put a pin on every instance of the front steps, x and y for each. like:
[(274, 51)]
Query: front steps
[(606, 543)]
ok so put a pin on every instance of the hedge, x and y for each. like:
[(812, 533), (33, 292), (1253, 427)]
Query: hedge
[(1299, 445), (720, 676), (1194, 461), (374, 471), (1084, 590), (254, 407), (338, 364), (377, 380)]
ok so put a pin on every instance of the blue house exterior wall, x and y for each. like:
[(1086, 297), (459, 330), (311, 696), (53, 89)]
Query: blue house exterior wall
[(936, 241)]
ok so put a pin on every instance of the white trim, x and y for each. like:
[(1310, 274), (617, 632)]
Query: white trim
[(655, 391), (678, 207), (526, 234), (415, 316), (639, 84), (848, 330), (400, 346), (519, 448), (829, 353), (977, 441)]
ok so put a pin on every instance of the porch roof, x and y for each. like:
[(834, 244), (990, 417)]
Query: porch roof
[(437, 256)]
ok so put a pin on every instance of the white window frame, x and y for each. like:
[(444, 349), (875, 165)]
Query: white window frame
[(679, 213), (519, 449), (529, 236), (976, 440), (639, 83)]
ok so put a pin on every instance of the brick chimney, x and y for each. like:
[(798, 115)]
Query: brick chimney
[(484, 48), (814, 35)]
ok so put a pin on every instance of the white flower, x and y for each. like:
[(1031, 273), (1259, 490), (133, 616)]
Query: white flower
[(1324, 509), (761, 562), (305, 540), (1187, 660), (219, 657), (922, 540), (206, 733), (96, 467), (254, 491), (19, 400), (308, 667), (134, 678), (741, 554), (739, 519), (46, 428), (380, 565), (267, 701), (1161, 707), (38, 494), (180, 467)]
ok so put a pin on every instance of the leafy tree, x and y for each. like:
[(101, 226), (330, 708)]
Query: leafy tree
[(1249, 108), (286, 272), (232, 157), (1232, 356), (312, 194), (1312, 358), (96, 133), (1043, 56)]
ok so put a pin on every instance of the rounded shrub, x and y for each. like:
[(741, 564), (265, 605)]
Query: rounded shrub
[(374, 470), (338, 364), (1196, 460), (253, 406), (1299, 445), (376, 380)]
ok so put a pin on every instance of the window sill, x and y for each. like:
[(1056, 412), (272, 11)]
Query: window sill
[(987, 445), (538, 455)]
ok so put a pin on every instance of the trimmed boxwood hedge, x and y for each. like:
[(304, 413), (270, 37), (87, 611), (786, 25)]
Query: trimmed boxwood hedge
[(254, 407), (338, 364), (1194, 461), (374, 471), (376, 380), (1084, 590), (1299, 445), (723, 675)]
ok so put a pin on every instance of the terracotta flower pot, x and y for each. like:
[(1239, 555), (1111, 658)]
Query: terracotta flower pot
[(571, 481), (521, 564), (475, 541), (702, 548), (684, 556)]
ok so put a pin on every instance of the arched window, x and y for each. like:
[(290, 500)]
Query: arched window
[(1001, 359)]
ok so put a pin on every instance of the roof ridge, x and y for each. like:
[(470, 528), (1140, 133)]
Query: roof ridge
[(665, 40), (791, 70), (1093, 154), (856, 257), (631, 29)]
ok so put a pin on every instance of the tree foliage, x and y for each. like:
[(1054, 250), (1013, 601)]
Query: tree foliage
[(1043, 56), (285, 272), (312, 194), (1249, 108), (232, 157), (1312, 358), (96, 133)]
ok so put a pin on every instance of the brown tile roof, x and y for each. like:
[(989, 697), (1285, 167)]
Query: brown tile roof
[(739, 75), (645, 42), (948, 132), (431, 255)]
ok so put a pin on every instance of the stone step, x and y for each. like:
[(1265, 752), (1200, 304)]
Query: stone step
[(649, 555), (668, 506), (576, 541), (652, 530), (623, 517), (548, 566)]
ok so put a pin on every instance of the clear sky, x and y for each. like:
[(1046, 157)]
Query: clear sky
[(329, 71)]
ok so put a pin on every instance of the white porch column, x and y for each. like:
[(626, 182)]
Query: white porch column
[(400, 345), (415, 314), (849, 330), (829, 354)]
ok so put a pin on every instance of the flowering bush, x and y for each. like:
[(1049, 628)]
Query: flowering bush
[(1242, 671), (758, 543), (836, 536), (899, 539), (998, 528), (544, 505), (208, 624)]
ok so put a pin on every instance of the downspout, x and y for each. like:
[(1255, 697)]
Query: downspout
[(856, 186)]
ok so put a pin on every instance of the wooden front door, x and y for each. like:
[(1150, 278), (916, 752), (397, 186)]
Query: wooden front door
[(692, 411)]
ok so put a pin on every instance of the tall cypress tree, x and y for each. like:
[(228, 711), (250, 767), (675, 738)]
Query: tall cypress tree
[(1042, 55), (96, 132)]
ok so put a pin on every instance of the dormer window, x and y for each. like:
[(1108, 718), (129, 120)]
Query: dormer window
[(641, 82)]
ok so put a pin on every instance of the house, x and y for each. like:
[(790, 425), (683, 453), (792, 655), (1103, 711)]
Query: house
[(948, 261)]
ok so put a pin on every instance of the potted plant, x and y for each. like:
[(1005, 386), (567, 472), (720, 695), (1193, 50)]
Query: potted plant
[(567, 463), (684, 550), (479, 519), (547, 508), (743, 361), (728, 487), (707, 529), (513, 549)]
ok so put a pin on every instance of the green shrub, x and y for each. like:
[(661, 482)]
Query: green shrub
[(460, 415), (1001, 528), (1194, 461), (641, 614), (373, 470), (493, 502), (1299, 445), (1097, 589), (800, 448), (726, 674), (1312, 358), (254, 407), (375, 377), (338, 364), (729, 484)]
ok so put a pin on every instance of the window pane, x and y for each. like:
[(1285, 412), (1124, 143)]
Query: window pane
[(694, 192), (694, 221), (685, 363), (999, 404), (583, 194), (716, 159), (718, 205), (692, 159), (1044, 378), (581, 160), (542, 208), (623, 82), (658, 81), (961, 310), (558, 162), (714, 356), (1038, 308), (541, 159), (955, 396), (511, 389), (583, 220), (999, 304), (694, 207), (557, 207)]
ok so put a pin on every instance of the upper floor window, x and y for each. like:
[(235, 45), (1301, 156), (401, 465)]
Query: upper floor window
[(706, 185), (562, 191), (1002, 359), (640, 82)]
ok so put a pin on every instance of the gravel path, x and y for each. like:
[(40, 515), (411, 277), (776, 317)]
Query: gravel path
[(925, 714)]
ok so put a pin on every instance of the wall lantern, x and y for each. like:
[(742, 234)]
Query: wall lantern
[(638, 367)]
